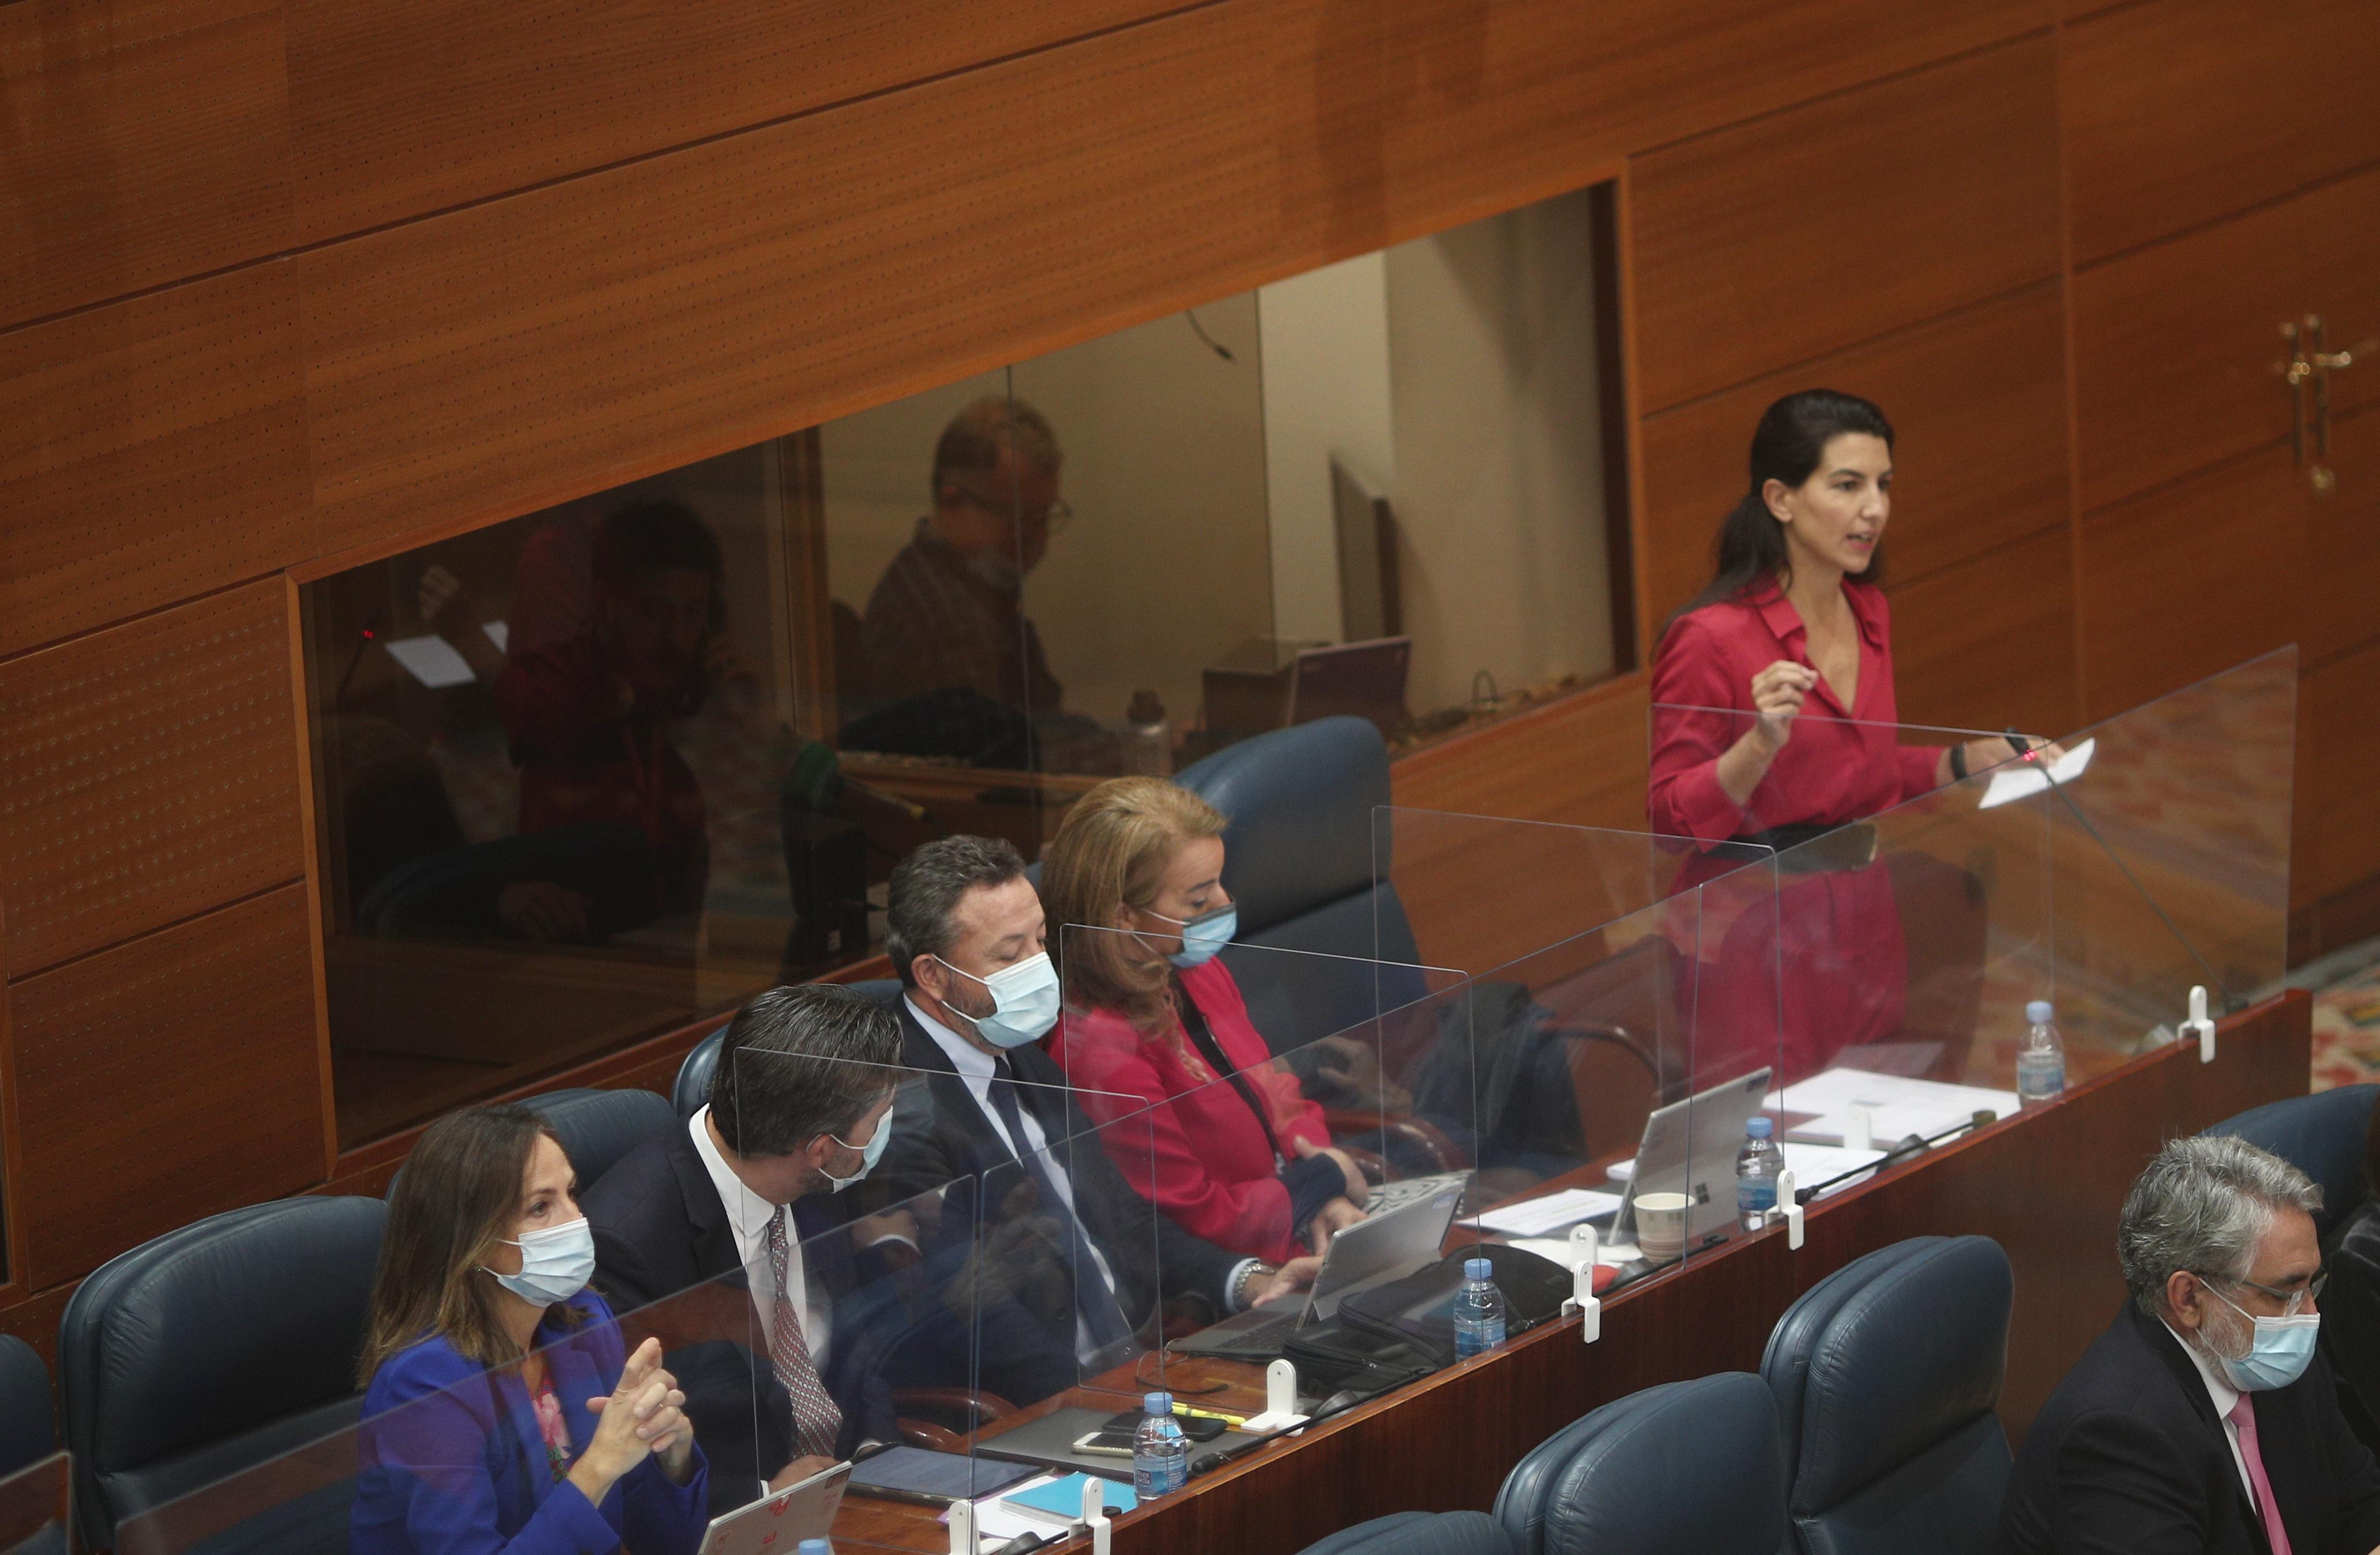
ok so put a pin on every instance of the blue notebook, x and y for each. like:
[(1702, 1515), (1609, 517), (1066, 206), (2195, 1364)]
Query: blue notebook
[(1063, 1499)]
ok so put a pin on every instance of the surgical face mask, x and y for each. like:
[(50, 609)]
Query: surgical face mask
[(1202, 937), (869, 1153), (1023, 1001), (556, 1263), (2281, 1350)]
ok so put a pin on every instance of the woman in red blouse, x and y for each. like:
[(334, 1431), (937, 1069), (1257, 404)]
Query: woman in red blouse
[(1153, 1021), (1794, 624)]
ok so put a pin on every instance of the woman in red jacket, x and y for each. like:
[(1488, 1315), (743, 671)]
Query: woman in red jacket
[(1791, 643), (1153, 1021)]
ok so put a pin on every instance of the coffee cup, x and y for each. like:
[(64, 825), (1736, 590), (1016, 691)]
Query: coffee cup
[(1661, 1224)]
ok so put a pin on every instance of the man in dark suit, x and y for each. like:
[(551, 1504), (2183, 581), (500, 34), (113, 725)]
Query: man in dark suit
[(730, 1235), (1066, 1267), (2202, 1420)]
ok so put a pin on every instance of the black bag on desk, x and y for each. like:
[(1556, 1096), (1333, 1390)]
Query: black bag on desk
[(1418, 1310), (1331, 1357)]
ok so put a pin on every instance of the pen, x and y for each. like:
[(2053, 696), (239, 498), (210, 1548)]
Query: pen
[(1235, 1421)]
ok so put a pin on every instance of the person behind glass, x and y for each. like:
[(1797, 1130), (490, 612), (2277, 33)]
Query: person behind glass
[(1233, 1151), (2203, 1420), (588, 721), (1794, 622), (2351, 1336), (500, 1410), (747, 1195), (966, 932)]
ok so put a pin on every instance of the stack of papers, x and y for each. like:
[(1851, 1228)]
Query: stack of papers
[(1896, 1107), (1536, 1217), (1816, 1165)]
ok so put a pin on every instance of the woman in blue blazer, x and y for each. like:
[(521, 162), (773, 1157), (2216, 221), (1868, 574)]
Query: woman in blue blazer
[(501, 1412)]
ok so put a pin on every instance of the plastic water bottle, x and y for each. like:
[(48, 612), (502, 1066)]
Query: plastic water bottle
[(1160, 1453), (1757, 1166), (2040, 1059), (1478, 1310), (814, 1546), (1148, 736)]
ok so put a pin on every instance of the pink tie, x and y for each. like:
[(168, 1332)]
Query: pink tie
[(2244, 1416)]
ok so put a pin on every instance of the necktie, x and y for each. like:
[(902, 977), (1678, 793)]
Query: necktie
[(816, 1421), (2244, 1416), (1093, 1300)]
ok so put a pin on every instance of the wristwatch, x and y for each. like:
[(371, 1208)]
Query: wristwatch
[(1248, 1278)]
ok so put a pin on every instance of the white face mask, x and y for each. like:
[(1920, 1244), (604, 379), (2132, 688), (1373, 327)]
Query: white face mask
[(869, 1153), (556, 1263), (2278, 1351), (1023, 1001)]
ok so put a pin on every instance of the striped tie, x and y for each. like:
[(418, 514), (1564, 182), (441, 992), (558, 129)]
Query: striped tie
[(817, 1422)]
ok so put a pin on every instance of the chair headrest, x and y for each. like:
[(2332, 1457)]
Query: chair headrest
[(1887, 1357), (2322, 1135), (597, 1127), (1300, 803), (1686, 1465), (222, 1327), (25, 1408)]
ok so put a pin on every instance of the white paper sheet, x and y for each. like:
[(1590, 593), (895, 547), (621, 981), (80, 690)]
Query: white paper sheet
[(430, 660), (1536, 1217), (2021, 780), (1897, 1107)]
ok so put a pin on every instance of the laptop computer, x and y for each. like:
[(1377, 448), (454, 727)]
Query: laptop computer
[(1690, 1145), (1404, 1190), (783, 1518), (1369, 1253), (1366, 679)]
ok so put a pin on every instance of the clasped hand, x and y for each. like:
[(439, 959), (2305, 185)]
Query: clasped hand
[(642, 1417)]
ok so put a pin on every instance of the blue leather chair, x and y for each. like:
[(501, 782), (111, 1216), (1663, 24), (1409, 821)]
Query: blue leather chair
[(692, 1087), (1417, 1533), (1886, 1376), (216, 1348), (597, 1127), (27, 1432), (1300, 861), (1686, 1465), (2322, 1135)]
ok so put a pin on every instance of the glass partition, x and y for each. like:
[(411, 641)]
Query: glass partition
[(34, 1508)]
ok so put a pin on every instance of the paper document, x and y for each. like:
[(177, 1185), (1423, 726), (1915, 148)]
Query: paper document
[(1817, 1166), (1897, 1107), (1535, 1217), (430, 660), (2021, 780)]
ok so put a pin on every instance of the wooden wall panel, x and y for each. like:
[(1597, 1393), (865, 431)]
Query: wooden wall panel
[(167, 1079), (157, 450), (1978, 404), (2176, 347), (152, 773), (1580, 761), (2336, 845), (1990, 644), (1777, 241), (403, 110), (2338, 604), (2181, 112), (147, 141), (481, 362)]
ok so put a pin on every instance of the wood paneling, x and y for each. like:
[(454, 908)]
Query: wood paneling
[(1978, 404), (2336, 837), (164, 1080), (2181, 112), (1779, 240), (152, 773), (156, 450), (2177, 347), (1580, 760), (480, 362), (2339, 600), (1990, 644), (146, 141), (402, 110)]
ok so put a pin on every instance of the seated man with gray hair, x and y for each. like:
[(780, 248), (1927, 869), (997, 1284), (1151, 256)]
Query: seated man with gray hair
[(2202, 1419)]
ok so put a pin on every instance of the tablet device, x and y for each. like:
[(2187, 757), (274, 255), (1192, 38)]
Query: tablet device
[(903, 1472)]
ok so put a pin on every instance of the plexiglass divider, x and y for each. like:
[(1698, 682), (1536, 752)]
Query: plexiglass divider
[(34, 1502)]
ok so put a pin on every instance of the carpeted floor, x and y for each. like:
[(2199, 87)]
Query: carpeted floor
[(2347, 1021)]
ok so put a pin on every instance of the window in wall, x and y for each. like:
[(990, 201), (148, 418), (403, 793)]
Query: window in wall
[(592, 773)]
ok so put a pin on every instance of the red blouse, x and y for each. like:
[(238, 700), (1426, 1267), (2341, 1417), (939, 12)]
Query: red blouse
[(1202, 1158), (1830, 771)]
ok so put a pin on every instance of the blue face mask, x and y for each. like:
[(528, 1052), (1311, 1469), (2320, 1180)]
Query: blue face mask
[(2279, 1356), (1202, 937), (869, 1153), (1023, 1001), (556, 1263)]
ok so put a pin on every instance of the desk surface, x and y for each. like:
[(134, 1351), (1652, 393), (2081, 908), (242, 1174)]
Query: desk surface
[(2046, 1185)]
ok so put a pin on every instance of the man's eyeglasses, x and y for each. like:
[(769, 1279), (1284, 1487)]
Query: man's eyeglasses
[(2293, 1302), (1054, 518)]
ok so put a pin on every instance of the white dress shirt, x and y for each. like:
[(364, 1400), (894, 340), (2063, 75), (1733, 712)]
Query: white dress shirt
[(748, 1215), (2219, 1389)]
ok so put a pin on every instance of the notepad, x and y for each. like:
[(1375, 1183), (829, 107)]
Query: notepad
[(2021, 779)]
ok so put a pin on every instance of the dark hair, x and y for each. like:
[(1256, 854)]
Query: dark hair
[(798, 1063), (654, 535), (456, 1198), (925, 890), (1786, 446), (993, 425)]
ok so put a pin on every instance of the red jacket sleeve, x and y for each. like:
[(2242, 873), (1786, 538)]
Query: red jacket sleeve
[(1683, 794)]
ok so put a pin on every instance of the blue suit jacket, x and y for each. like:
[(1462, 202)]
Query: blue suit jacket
[(453, 1463)]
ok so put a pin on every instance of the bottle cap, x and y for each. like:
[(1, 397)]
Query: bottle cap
[(1477, 1268), (814, 1546), (2038, 1012), (1157, 1404), (1760, 1127)]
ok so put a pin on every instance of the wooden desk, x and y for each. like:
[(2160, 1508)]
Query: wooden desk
[(2046, 1186)]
